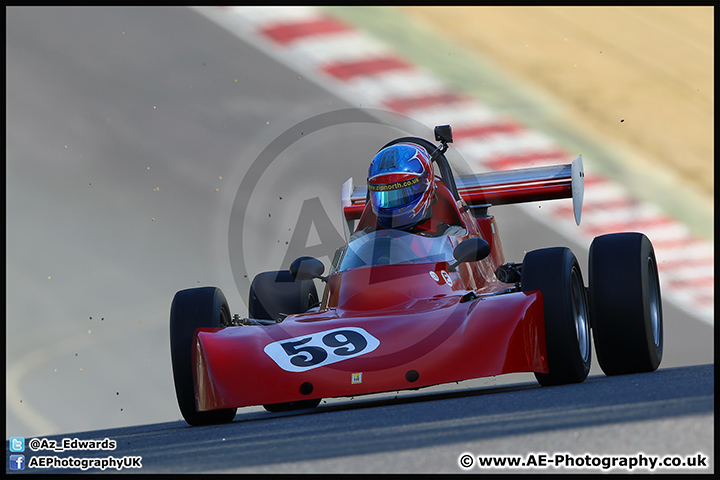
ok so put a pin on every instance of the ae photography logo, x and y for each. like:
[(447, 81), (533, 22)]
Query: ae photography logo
[(568, 461)]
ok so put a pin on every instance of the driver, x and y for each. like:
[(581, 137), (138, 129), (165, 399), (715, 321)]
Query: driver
[(401, 188)]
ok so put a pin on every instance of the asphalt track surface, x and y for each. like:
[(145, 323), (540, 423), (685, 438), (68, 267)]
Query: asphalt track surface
[(129, 133)]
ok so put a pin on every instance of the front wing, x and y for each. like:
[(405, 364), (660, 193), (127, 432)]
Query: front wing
[(339, 354)]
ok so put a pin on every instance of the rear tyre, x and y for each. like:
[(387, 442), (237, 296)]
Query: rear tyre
[(192, 309), (556, 274), (275, 293), (625, 303)]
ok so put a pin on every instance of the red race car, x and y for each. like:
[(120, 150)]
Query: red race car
[(405, 310)]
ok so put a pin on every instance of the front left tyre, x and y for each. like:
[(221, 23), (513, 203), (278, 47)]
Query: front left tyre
[(192, 309)]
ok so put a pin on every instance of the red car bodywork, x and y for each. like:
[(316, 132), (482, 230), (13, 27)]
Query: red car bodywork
[(391, 327)]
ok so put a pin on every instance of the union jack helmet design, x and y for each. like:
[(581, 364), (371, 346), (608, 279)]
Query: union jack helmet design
[(401, 184)]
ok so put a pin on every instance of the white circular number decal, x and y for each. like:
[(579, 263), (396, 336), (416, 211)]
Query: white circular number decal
[(322, 348)]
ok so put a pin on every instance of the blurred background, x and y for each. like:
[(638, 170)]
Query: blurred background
[(634, 86)]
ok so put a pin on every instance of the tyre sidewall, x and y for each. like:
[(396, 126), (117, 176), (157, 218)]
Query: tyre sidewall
[(622, 275), (192, 309), (551, 272)]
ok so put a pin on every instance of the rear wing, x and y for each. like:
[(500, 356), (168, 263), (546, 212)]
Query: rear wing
[(498, 188)]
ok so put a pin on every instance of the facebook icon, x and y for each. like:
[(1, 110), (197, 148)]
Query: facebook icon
[(17, 462)]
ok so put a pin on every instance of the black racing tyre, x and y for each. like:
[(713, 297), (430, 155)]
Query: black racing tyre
[(625, 303), (278, 292), (192, 309), (555, 272)]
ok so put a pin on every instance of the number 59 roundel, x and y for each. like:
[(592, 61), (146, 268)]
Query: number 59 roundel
[(318, 349)]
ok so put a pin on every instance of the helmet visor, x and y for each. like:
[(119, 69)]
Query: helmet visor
[(398, 193)]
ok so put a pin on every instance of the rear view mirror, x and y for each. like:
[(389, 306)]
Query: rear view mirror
[(307, 268), (470, 250)]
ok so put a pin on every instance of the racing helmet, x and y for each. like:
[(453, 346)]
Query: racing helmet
[(401, 185)]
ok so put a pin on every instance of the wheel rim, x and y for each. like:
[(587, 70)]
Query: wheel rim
[(654, 300), (582, 328)]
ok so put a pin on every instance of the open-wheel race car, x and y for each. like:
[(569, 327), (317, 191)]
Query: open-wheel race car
[(405, 310)]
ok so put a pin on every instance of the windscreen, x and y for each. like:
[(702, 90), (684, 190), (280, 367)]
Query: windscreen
[(393, 247)]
